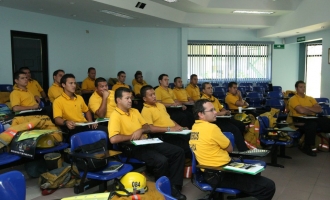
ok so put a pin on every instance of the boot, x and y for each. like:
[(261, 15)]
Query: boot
[(177, 194)]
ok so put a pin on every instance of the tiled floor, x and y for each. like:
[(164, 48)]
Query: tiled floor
[(303, 177)]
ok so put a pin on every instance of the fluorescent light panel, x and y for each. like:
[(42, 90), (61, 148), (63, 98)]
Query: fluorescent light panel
[(253, 12), (171, 1), (116, 14)]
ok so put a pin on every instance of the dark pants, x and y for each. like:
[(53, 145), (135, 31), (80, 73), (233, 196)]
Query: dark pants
[(259, 187), (166, 160), (183, 117), (237, 128), (312, 126)]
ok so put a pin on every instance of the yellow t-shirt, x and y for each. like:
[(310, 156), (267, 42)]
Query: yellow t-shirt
[(297, 100), (54, 91), (193, 92), (34, 87), (95, 102), (214, 101), (125, 123), (181, 94), (135, 82), (231, 101), (118, 85), (70, 109), (19, 97), (209, 144), (157, 115), (88, 84), (165, 95), (137, 87)]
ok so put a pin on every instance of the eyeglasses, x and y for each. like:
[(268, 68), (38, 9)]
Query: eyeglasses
[(212, 110)]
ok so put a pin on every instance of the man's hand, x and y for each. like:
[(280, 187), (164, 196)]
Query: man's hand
[(105, 94), (137, 135), (35, 106), (93, 126), (70, 124), (177, 127), (37, 99), (184, 107), (239, 93), (222, 113)]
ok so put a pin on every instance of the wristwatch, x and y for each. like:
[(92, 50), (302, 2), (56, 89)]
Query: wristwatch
[(168, 128), (64, 122)]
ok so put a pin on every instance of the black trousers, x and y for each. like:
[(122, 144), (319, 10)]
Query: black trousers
[(237, 128), (259, 187), (166, 160), (183, 117), (312, 126)]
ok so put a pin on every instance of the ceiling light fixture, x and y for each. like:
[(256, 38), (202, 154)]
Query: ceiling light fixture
[(253, 12), (117, 14), (171, 1)]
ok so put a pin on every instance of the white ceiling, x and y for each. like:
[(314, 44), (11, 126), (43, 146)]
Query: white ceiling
[(158, 13)]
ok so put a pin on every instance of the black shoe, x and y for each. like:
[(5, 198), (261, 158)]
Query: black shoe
[(307, 150), (176, 194)]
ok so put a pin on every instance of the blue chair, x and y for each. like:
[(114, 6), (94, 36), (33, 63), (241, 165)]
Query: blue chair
[(275, 95), (6, 158), (12, 185), (259, 89), (275, 103), (109, 87), (215, 84), (243, 90), (98, 177), (219, 89), (220, 95), (255, 99), (323, 102), (249, 86), (277, 88), (163, 186), (171, 85), (6, 88), (264, 85)]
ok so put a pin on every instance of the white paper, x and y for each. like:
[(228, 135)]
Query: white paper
[(183, 132), (224, 116), (147, 141), (85, 123), (27, 111)]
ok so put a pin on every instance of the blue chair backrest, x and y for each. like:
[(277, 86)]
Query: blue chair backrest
[(171, 85), (259, 89), (264, 85), (193, 163), (263, 124), (215, 84), (275, 95), (254, 95), (163, 186), (219, 95), (12, 185), (109, 87), (277, 88), (324, 101), (6, 88), (87, 137), (231, 137), (219, 89), (275, 103)]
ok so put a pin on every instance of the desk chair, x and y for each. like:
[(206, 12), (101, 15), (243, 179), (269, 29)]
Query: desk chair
[(6, 88), (12, 185), (163, 186), (219, 89), (91, 179), (277, 88), (275, 95)]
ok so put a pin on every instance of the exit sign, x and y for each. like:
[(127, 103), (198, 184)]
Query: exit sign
[(301, 39), (279, 46)]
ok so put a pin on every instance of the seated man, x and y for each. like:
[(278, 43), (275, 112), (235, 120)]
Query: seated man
[(87, 86), (180, 93), (127, 124), (301, 105), (139, 83), (134, 81), (56, 89), (226, 125), (193, 89), (69, 109), (211, 148), (234, 97), (121, 76), (21, 98), (165, 95), (159, 120), (33, 85), (102, 102)]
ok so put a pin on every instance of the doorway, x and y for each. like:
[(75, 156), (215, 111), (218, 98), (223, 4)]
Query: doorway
[(313, 69)]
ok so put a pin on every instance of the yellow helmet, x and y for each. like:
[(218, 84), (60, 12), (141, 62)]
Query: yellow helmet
[(46, 141), (131, 183), (243, 118)]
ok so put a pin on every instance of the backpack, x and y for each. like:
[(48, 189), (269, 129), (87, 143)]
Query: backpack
[(92, 163)]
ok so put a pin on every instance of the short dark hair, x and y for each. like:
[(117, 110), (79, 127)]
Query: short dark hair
[(231, 84), (98, 80), (192, 76), (24, 68), (120, 72), (298, 82), (119, 92), (136, 74), (57, 71), (160, 77), (16, 74), (90, 69), (176, 78), (144, 90), (198, 107), (66, 76), (204, 84)]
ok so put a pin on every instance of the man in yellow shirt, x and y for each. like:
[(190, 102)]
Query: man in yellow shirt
[(234, 97), (134, 81), (102, 102), (121, 76), (176, 109), (193, 89), (56, 89), (87, 86), (227, 125), (139, 84), (160, 121), (126, 124), (69, 109), (21, 98), (33, 85), (180, 93), (302, 105), (211, 148)]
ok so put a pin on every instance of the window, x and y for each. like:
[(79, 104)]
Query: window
[(224, 62)]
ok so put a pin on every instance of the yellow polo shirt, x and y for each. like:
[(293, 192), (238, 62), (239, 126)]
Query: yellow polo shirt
[(157, 115), (88, 84), (165, 95), (125, 123), (297, 100), (193, 92), (135, 82), (214, 101), (95, 102), (34, 87), (137, 87), (118, 85), (181, 94), (19, 97), (54, 91), (231, 101), (70, 109), (209, 144)]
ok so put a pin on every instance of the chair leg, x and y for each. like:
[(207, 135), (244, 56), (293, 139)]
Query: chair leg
[(282, 153), (274, 157)]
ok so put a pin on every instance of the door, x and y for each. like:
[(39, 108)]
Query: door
[(313, 69)]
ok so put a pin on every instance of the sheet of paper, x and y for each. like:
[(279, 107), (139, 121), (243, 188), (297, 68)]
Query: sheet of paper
[(147, 141), (183, 132), (85, 123)]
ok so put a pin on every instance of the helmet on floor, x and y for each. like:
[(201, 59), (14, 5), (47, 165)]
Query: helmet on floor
[(243, 118), (131, 183)]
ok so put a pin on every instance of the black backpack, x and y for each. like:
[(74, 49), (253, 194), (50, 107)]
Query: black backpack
[(92, 163)]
